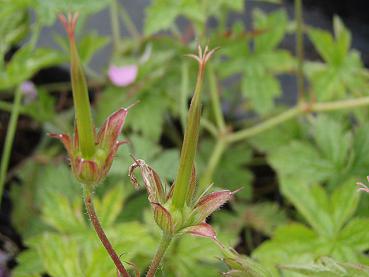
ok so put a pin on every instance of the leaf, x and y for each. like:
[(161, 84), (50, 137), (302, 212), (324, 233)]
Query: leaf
[(261, 89), (109, 207), (343, 72), (326, 267), (59, 255), (232, 172), (25, 63), (29, 265), (309, 200), (46, 11), (332, 140), (147, 117), (292, 242), (161, 14), (42, 109), (301, 161), (90, 44), (355, 234), (14, 24), (63, 215), (263, 217), (273, 27), (344, 202)]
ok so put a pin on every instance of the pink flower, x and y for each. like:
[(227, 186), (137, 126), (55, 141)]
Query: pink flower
[(123, 76)]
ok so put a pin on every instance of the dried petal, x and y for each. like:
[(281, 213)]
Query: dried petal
[(202, 230), (163, 218), (151, 181)]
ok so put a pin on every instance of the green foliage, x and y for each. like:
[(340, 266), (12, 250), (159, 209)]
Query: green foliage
[(319, 225), (326, 266), (161, 14), (25, 63), (343, 72), (333, 232), (332, 154)]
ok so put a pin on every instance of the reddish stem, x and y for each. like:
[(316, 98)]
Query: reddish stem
[(101, 234)]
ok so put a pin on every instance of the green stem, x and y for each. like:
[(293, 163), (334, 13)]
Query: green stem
[(127, 20), (5, 106), (115, 28), (12, 126), (299, 50), (101, 234), (293, 112), (252, 131), (340, 105), (214, 94), (210, 127), (163, 246), (215, 157)]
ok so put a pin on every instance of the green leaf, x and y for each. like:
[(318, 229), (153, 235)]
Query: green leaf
[(343, 72), (308, 201), (273, 27), (63, 215), (327, 267), (232, 172), (29, 265), (25, 63), (43, 108), (264, 217), (343, 37), (14, 24), (109, 207), (301, 161), (59, 255), (147, 117), (355, 234), (344, 202), (46, 11), (333, 141), (161, 14), (90, 44), (261, 90)]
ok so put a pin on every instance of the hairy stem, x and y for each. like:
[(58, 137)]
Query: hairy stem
[(10, 138), (299, 50), (101, 234), (163, 246)]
